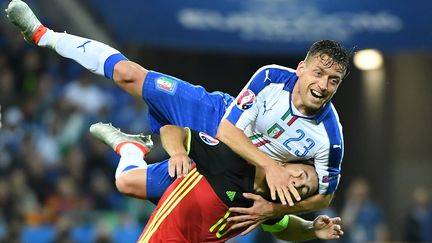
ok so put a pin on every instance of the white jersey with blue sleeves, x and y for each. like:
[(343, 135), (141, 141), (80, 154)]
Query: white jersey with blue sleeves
[(264, 111)]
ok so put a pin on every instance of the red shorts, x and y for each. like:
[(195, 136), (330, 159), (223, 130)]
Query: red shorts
[(189, 211)]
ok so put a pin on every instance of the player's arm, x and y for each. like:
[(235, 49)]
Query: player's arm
[(175, 141), (263, 210), (293, 228), (313, 203), (239, 143), (234, 138)]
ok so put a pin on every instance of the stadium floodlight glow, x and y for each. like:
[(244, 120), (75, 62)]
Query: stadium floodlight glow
[(368, 59)]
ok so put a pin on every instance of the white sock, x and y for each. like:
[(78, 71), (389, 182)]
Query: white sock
[(47, 39), (89, 53), (132, 158)]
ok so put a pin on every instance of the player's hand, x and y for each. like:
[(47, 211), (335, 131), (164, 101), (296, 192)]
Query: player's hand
[(260, 211), (278, 181), (327, 228), (179, 164)]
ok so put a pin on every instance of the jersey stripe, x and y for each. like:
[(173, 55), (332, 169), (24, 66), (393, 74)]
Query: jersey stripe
[(175, 197), (286, 114), (256, 136), (336, 151), (258, 140), (261, 143), (171, 202), (293, 119)]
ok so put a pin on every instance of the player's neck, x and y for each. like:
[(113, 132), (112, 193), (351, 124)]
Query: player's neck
[(297, 103)]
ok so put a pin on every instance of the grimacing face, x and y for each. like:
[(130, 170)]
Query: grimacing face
[(319, 78), (304, 178)]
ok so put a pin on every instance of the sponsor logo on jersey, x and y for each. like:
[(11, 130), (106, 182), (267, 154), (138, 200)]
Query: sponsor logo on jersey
[(208, 139), (265, 107), (246, 99), (167, 85), (275, 131), (267, 76), (231, 195), (83, 45)]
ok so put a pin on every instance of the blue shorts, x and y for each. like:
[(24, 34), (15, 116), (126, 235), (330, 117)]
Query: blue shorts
[(174, 101), (158, 180)]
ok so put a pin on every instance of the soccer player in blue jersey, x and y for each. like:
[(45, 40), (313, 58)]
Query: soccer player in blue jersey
[(281, 115)]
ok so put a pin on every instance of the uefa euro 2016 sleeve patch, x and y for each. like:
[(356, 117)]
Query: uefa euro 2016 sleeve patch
[(208, 139), (166, 85), (246, 100), (328, 178)]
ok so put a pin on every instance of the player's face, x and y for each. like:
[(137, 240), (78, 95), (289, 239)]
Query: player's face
[(318, 81), (304, 178)]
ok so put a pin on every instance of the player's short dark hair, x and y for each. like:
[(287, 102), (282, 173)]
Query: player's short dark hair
[(304, 162), (334, 50)]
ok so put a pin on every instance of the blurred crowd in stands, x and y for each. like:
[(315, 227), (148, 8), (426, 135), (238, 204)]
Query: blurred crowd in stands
[(57, 182)]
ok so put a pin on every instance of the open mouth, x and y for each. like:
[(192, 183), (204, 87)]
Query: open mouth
[(316, 94)]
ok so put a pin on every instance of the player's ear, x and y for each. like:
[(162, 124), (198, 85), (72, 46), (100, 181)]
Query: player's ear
[(300, 67)]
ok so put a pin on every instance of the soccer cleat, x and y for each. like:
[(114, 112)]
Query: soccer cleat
[(21, 15), (115, 138)]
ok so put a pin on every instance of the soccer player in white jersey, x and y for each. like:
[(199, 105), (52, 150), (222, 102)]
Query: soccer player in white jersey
[(287, 114)]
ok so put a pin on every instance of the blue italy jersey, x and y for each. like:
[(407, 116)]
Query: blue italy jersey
[(265, 112)]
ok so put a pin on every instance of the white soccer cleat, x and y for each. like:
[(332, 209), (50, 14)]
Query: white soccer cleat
[(21, 15), (113, 137)]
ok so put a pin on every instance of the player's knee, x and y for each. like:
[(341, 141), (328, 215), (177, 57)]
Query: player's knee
[(123, 73), (130, 77), (126, 185)]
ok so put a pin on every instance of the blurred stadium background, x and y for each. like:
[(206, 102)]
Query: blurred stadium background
[(56, 182)]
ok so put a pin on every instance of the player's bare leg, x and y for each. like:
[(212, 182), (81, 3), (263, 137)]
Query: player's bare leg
[(133, 183), (95, 56), (130, 77), (131, 171)]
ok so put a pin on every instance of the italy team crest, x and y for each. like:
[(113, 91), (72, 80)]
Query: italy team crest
[(167, 85), (246, 99), (208, 139), (275, 131)]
